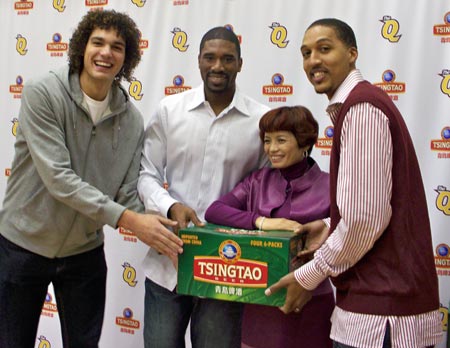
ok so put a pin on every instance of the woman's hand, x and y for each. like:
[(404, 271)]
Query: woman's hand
[(277, 224)]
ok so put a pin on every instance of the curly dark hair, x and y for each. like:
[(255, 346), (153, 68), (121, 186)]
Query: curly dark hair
[(106, 19)]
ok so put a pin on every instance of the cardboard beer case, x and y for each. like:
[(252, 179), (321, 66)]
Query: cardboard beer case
[(233, 264)]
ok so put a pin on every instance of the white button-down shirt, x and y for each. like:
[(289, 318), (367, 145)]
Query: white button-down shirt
[(199, 155)]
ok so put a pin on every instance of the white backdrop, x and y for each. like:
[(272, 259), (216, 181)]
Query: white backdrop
[(404, 46)]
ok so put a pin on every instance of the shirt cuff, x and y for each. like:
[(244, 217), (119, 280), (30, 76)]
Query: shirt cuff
[(162, 200), (309, 276)]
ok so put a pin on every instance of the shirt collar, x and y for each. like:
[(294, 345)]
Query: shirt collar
[(238, 101), (341, 94), (197, 99)]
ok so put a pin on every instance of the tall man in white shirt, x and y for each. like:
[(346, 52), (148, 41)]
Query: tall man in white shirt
[(203, 142), (379, 251)]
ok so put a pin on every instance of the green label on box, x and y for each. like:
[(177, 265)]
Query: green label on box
[(234, 264)]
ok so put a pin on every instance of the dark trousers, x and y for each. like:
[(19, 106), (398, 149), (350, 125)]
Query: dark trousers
[(79, 284), (213, 323)]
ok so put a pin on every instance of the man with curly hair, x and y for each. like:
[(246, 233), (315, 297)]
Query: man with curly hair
[(76, 166)]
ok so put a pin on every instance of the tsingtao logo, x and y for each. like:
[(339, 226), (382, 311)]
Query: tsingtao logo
[(229, 268), (143, 43), (442, 259), (57, 47), (95, 3), (16, 89), (127, 324), (49, 308), (128, 236), (442, 146), (390, 29), (326, 142), (23, 7), (230, 251), (278, 90), (180, 2), (230, 27), (177, 86), (443, 30), (390, 86)]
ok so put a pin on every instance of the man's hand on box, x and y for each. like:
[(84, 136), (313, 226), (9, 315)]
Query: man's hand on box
[(152, 230), (183, 215), (296, 296), (316, 234)]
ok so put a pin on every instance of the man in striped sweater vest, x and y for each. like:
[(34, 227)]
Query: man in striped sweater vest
[(377, 245)]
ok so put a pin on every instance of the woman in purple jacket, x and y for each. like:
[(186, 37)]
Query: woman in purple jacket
[(292, 192)]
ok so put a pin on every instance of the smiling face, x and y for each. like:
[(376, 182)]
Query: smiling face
[(219, 65), (282, 149), (103, 58), (327, 60)]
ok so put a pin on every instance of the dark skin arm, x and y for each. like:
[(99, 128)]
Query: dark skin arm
[(182, 214), (297, 296)]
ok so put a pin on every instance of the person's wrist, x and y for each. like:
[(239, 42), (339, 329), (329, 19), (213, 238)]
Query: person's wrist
[(169, 211), (261, 222), (126, 219)]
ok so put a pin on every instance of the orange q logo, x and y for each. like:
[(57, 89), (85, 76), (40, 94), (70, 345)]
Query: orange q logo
[(443, 311), (443, 200), (139, 3), (43, 342), (15, 123), (59, 5), (129, 274), (135, 89), (390, 29), (179, 40), (21, 45), (279, 35), (445, 74)]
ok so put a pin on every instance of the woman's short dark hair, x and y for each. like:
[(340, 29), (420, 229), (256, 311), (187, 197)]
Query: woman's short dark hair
[(295, 119), (106, 19)]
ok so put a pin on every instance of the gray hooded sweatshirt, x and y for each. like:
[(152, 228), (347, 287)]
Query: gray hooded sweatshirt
[(70, 177)]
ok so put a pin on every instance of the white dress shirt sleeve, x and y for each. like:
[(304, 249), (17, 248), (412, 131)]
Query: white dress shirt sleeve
[(153, 162)]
